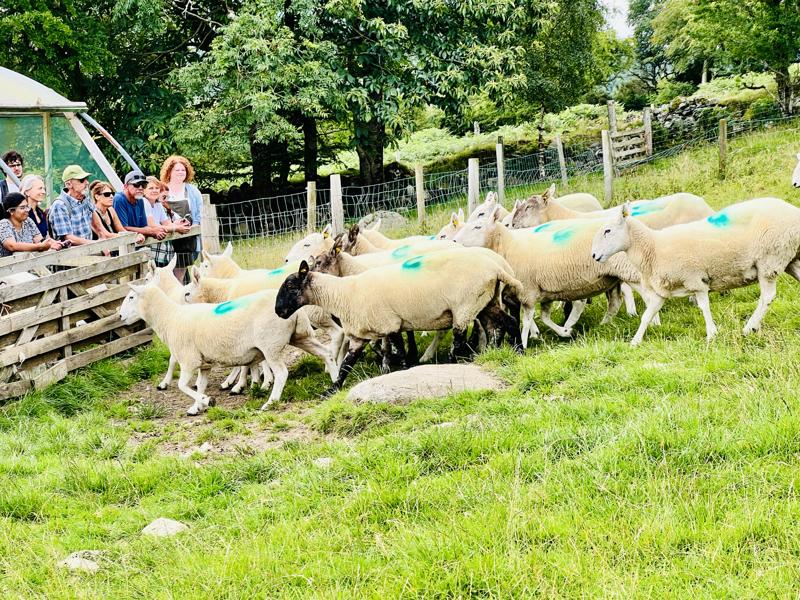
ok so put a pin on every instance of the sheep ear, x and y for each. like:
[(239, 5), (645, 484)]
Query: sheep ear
[(173, 261), (151, 266), (454, 219), (194, 274), (461, 215), (326, 232), (626, 210), (491, 198), (206, 256), (495, 215), (137, 289), (228, 250), (352, 235), (303, 270), (551, 192)]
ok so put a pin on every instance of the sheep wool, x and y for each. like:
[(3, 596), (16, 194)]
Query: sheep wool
[(751, 241)]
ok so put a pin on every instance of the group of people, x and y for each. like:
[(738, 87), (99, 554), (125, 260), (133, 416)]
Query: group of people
[(82, 213)]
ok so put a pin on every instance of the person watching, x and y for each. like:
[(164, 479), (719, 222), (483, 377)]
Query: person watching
[(32, 186), (156, 195), (107, 225), (15, 162), (18, 233), (129, 206), (72, 213)]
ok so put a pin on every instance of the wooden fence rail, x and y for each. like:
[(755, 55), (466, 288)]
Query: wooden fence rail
[(68, 317)]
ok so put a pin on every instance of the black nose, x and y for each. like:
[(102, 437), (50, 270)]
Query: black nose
[(796, 184)]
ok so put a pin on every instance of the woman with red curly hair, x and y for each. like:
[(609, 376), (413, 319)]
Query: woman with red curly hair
[(184, 200)]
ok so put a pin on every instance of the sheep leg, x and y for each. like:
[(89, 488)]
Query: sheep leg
[(200, 400), (315, 348), (630, 301), (643, 293), (430, 351), (460, 346), (232, 376), (396, 340), (529, 327), (701, 298), (241, 379), (170, 372), (614, 297), (654, 304), (412, 353), (577, 310), (281, 374), (794, 269), (547, 320), (768, 289), (356, 348)]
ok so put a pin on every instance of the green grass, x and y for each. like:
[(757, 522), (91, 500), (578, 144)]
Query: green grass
[(669, 470)]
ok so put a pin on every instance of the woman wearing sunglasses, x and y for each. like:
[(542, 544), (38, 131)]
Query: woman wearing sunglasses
[(18, 233), (107, 223)]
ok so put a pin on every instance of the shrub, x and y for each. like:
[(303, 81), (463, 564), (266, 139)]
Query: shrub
[(669, 90), (633, 94)]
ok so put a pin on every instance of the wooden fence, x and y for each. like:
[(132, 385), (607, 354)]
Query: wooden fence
[(624, 149), (68, 317)]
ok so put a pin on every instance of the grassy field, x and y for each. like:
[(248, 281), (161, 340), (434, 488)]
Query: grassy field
[(669, 470)]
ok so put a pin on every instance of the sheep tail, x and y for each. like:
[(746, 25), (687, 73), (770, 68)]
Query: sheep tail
[(512, 284)]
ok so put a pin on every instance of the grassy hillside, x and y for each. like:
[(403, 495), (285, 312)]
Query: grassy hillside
[(669, 470)]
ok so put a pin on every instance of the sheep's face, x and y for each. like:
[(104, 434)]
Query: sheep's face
[(311, 245), (796, 174), (475, 233), (527, 214), (291, 293), (129, 310), (449, 231), (613, 237), (327, 263), (485, 209)]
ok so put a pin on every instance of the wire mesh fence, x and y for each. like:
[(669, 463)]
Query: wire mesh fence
[(279, 220)]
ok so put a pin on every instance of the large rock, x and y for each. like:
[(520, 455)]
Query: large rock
[(163, 527), (389, 219), (426, 381)]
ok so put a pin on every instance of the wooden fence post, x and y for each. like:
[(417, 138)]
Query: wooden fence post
[(476, 128), (608, 168), (209, 226), (612, 116), (501, 170), (647, 121), (562, 163), (419, 180), (337, 208), (723, 146), (311, 206), (473, 184)]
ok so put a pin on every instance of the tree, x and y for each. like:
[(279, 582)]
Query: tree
[(652, 63), (749, 34)]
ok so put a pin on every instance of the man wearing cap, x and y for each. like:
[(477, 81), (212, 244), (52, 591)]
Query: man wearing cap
[(71, 214), (129, 206)]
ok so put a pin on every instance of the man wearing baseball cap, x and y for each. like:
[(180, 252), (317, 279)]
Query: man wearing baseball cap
[(71, 214), (129, 206)]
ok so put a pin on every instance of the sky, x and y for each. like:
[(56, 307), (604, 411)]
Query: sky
[(617, 16)]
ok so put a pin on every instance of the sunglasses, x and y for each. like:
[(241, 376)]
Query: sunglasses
[(105, 194), (140, 185)]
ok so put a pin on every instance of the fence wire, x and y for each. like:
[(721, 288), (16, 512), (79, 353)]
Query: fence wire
[(281, 219)]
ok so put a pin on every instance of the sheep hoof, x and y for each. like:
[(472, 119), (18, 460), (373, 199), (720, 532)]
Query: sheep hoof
[(266, 405), (224, 386), (564, 332), (193, 411), (161, 386), (329, 392), (749, 329), (635, 342)]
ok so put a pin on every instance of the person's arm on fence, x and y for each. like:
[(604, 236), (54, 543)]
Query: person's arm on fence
[(39, 244)]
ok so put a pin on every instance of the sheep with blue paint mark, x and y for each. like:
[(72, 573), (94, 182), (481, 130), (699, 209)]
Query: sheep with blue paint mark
[(238, 332), (553, 262), (744, 243), (311, 245), (579, 202), (657, 213), (443, 290)]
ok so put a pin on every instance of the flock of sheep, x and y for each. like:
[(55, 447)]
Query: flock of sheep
[(488, 272)]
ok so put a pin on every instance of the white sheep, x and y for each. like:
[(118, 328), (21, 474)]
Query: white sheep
[(657, 213), (233, 333), (311, 245), (751, 241), (424, 293), (487, 207), (553, 263), (15, 278), (454, 225), (579, 202), (378, 241), (357, 244)]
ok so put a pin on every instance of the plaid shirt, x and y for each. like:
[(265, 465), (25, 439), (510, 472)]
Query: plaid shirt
[(68, 216)]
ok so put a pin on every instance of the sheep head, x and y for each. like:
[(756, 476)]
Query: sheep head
[(613, 237), (479, 233), (328, 262), (291, 293)]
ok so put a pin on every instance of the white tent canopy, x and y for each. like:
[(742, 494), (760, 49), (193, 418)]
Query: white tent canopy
[(45, 126), (20, 93)]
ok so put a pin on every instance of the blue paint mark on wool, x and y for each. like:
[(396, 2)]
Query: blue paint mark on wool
[(645, 208), (413, 264), (719, 220), (401, 252), (543, 226), (563, 236), (231, 305), (278, 271), (431, 237)]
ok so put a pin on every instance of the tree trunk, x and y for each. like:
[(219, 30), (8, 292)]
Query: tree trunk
[(784, 82), (370, 137), (540, 142), (262, 159), (704, 74), (310, 148)]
